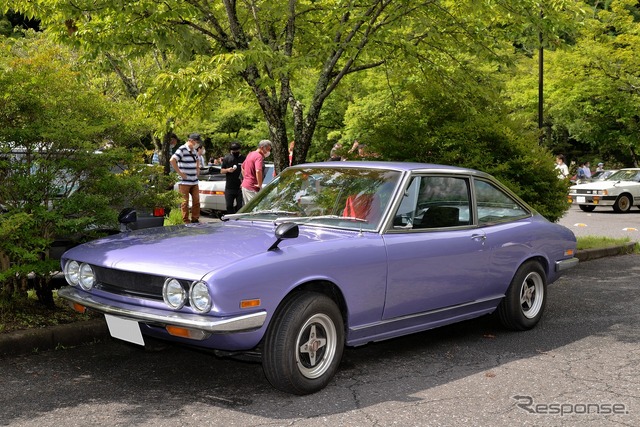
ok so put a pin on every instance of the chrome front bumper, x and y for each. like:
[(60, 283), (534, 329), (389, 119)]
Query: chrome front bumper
[(566, 264), (243, 323)]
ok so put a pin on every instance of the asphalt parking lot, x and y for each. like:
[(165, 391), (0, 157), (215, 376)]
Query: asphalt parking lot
[(603, 222), (579, 367)]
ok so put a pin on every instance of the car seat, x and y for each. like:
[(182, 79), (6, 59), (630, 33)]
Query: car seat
[(440, 216), (363, 206)]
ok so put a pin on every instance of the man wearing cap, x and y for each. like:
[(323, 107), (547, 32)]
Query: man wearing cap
[(185, 163), (600, 167), (231, 165)]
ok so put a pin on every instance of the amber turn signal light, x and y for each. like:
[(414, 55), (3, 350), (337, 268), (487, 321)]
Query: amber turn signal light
[(193, 334), (79, 308), (249, 303)]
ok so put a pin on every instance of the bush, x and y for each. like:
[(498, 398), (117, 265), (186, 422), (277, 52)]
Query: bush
[(56, 183), (426, 126), (75, 197)]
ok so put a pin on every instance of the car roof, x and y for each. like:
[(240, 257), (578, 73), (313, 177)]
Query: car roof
[(399, 166)]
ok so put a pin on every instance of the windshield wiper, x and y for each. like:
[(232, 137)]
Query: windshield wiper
[(267, 212), (305, 219)]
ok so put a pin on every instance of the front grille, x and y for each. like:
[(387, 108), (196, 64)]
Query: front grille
[(128, 283), (588, 192)]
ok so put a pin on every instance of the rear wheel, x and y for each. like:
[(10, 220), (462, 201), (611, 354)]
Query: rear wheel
[(622, 204), (587, 208), (525, 300), (304, 344)]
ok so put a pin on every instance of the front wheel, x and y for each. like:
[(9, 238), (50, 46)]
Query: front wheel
[(524, 302), (587, 208), (304, 344), (622, 204)]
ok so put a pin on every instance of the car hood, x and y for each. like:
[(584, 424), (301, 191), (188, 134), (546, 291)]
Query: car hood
[(601, 185), (188, 251)]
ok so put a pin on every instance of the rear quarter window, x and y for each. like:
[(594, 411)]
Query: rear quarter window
[(494, 205)]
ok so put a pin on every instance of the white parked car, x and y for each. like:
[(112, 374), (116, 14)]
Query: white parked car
[(212, 185), (620, 191)]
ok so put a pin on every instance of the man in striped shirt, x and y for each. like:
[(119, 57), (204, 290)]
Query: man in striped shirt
[(185, 163)]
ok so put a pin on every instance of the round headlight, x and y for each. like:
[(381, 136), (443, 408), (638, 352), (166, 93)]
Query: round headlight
[(199, 297), (71, 272), (174, 294), (86, 277)]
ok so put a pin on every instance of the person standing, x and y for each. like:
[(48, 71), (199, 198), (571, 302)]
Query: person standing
[(200, 150), (173, 143), (253, 170), (584, 172), (587, 170), (231, 166), (334, 155), (185, 162), (292, 144), (561, 167), (580, 176)]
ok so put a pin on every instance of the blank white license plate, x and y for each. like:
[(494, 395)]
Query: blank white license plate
[(124, 329), (580, 199)]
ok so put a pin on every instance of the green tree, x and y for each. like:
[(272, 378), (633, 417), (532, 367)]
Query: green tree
[(422, 122), (591, 86), (274, 45), (594, 89), (55, 183)]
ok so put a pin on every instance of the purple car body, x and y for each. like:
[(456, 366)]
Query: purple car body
[(328, 255)]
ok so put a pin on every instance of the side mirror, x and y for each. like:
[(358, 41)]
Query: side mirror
[(127, 216), (286, 230)]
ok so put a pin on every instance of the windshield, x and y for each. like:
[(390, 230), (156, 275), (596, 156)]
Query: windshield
[(341, 197), (625, 175)]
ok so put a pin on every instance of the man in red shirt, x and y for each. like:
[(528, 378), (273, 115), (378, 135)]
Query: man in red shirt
[(253, 170)]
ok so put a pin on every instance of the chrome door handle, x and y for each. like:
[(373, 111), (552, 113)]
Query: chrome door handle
[(480, 237)]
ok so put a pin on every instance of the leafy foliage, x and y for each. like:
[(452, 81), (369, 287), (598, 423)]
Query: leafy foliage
[(595, 92), (423, 124), (290, 56), (29, 313), (591, 86), (57, 184)]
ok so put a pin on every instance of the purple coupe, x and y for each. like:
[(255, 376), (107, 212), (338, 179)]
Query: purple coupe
[(328, 255)]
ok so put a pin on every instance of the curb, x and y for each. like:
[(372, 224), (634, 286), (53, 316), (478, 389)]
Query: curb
[(73, 334), (69, 335), (589, 254)]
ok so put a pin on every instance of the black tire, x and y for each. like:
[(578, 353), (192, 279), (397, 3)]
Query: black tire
[(525, 300), (587, 208), (623, 203), (304, 343)]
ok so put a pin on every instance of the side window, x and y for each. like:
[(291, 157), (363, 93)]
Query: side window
[(434, 202), (494, 205), (405, 215)]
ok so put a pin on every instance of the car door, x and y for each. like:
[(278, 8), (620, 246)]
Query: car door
[(437, 258), (506, 224)]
